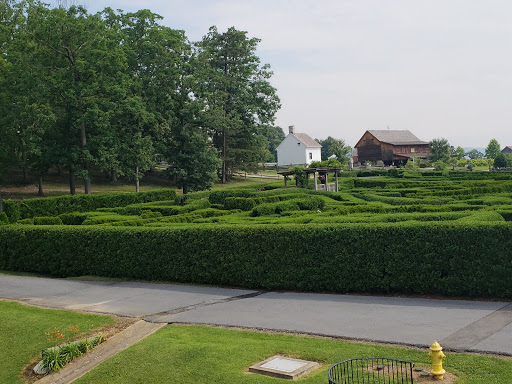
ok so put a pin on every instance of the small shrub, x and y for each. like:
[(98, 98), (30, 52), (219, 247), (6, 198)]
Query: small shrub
[(57, 357)]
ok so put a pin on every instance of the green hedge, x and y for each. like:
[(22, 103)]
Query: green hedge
[(449, 258), (53, 206), (308, 203), (47, 220), (4, 220)]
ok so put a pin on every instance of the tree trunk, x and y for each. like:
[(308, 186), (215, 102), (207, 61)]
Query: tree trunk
[(185, 189), (1, 205), (137, 184), (87, 186), (24, 159), (87, 180), (113, 176), (40, 191), (72, 189), (224, 157)]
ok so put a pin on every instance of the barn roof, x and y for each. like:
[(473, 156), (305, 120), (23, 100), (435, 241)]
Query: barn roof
[(396, 137), (306, 140)]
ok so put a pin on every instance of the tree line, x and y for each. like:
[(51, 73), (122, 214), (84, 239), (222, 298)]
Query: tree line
[(443, 153), (110, 90)]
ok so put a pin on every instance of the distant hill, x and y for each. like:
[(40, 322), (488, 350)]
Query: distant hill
[(467, 149)]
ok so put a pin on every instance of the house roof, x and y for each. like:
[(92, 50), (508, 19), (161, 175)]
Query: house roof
[(507, 147), (306, 140), (396, 137)]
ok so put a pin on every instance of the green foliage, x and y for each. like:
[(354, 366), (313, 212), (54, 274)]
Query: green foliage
[(25, 222), (309, 203), (301, 177), (440, 150), (475, 154), (73, 218), (12, 210), (4, 220), (366, 257), (23, 334), (458, 153), (493, 149), (52, 206), (335, 147), (245, 204), (57, 357), (275, 135), (439, 165), (219, 197), (500, 161), (240, 101), (47, 220)]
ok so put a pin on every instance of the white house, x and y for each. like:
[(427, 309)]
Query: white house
[(298, 149)]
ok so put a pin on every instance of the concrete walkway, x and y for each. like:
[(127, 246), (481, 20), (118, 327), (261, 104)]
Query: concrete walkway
[(460, 325)]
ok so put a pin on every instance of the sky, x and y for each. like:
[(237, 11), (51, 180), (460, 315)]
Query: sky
[(439, 68)]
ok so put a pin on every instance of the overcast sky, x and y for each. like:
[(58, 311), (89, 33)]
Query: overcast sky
[(440, 68)]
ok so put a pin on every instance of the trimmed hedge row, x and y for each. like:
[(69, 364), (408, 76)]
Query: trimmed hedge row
[(449, 258), (53, 206), (309, 203)]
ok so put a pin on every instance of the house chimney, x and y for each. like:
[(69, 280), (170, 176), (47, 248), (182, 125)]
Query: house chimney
[(291, 129)]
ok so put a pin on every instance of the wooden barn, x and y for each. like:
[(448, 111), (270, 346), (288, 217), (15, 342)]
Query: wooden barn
[(392, 147)]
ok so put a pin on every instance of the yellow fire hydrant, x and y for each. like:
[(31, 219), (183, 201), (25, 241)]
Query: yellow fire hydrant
[(437, 356)]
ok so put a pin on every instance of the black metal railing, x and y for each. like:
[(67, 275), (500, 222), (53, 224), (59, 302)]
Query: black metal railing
[(378, 370)]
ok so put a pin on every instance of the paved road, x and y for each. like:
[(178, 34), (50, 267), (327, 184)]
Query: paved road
[(457, 324)]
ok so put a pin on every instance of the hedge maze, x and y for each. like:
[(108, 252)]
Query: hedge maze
[(397, 232)]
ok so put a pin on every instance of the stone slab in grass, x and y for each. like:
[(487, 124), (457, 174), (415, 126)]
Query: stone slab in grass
[(284, 367)]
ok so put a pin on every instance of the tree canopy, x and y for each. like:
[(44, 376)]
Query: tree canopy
[(440, 150), (111, 90), (475, 154), (335, 147), (238, 100), (493, 149)]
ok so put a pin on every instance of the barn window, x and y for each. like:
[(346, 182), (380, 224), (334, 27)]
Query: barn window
[(310, 155)]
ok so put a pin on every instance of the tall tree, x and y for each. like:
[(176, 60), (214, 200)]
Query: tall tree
[(275, 135), (335, 147), (458, 153), (439, 150), (238, 98), (84, 67), (493, 149), (501, 161), (475, 154)]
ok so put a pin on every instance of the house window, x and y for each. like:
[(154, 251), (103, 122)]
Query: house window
[(413, 150), (310, 155), (298, 144)]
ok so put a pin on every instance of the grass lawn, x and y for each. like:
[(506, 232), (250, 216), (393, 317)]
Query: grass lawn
[(23, 335), (198, 354), (58, 186)]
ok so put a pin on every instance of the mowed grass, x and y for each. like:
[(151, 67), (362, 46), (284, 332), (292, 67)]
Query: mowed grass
[(199, 354), (22, 334)]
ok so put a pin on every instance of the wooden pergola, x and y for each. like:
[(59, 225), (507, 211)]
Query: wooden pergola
[(315, 171)]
